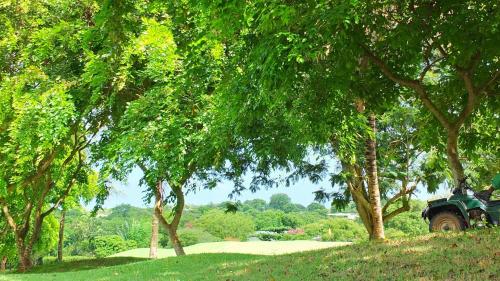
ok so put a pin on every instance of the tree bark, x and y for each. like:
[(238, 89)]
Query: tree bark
[(153, 249), (373, 187), (25, 261), (453, 156), (61, 236), (364, 214), (176, 243), (3, 264), (171, 228)]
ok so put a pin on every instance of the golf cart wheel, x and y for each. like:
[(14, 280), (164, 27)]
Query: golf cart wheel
[(446, 221)]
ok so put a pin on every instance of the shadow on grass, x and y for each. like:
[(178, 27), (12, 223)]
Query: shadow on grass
[(84, 264)]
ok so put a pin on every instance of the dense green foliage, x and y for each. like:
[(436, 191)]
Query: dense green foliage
[(125, 227), (196, 92), (110, 244), (226, 225)]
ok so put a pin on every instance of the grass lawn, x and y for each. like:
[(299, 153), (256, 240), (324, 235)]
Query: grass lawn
[(252, 248), (474, 255)]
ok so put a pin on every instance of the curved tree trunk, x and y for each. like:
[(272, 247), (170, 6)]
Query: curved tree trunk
[(171, 227), (60, 243), (373, 187), (453, 156), (176, 243), (3, 264), (153, 248)]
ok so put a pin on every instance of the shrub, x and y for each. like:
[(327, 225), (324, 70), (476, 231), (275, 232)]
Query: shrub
[(191, 236), (270, 236), (269, 219), (111, 244), (336, 230), (409, 223), (289, 237), (392, 233), (226, 225)]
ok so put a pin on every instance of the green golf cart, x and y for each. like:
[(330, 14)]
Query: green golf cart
[(465, 208)]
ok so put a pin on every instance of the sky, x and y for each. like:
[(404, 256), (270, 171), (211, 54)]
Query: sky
[(131, 193)]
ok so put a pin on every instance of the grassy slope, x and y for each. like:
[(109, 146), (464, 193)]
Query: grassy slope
[(252, 248), (462, 256)]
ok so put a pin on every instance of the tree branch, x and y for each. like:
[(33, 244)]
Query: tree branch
[(403, 81), (179, 206), (397, 196), (61, 198), (8, 216), (412, 84), (396, 212), (491, 82), (428, 67)]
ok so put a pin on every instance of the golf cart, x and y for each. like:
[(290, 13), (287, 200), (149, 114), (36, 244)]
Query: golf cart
[(465, 208)]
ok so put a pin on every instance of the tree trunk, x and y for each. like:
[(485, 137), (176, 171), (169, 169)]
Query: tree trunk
[(153, 249), (171, 228), (365, 216), (3, 264), (25, 261), (373, 187), (453, 156), (176, 243), (61, 236)]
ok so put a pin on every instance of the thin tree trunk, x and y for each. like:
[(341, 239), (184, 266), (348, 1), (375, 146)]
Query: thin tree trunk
[(373, 187), (61, 236), (3, 264), (453, 156), (176, 243), (153, 249), (171, 228)]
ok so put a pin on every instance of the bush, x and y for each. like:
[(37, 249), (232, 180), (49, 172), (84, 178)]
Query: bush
[(269, 219), (290, 237), (191, 236), (111, 244), (391, 233), (336, 230), (226, 225), (270, 236), (409, 223)]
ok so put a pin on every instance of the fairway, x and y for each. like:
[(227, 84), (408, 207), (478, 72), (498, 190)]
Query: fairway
[(253, 248)]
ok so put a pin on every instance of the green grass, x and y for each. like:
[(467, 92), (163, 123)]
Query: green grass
[(474, 255), (252, 248)]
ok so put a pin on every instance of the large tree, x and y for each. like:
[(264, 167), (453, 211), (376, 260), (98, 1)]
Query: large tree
[(171, 68), (50, 110), (299, 68)]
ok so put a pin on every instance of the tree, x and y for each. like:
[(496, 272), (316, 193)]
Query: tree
[(165, 131), (325, 60), (81, 193), (316, 207), (273, 120), (153, 247), (254, 204), (47, 119), (279, 201), (226, 225), (30, 193), (446, 58)]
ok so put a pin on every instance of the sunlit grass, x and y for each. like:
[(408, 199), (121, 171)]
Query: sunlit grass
[(252, 248), (473, 255)]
